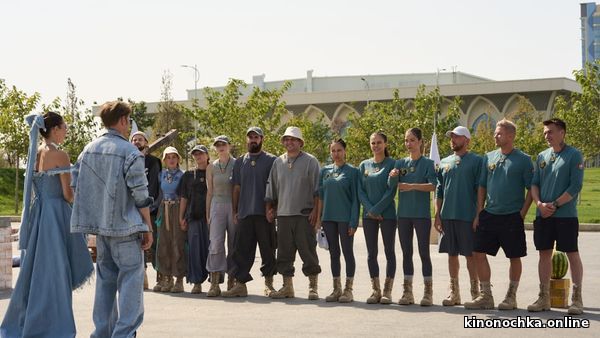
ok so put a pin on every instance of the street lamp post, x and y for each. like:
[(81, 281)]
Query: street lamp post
[(368, 88), (196, 79)]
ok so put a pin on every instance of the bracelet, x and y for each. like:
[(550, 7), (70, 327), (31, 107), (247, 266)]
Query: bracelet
[(555, 204)]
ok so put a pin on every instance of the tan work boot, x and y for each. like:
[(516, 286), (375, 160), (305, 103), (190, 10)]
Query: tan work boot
[(510, 301), (230, 282), (197, 288), (337, 290), (178, 287), (238, 290), (160, 281), (454, 296), (427, 294), (543, 301), (474, 289), (286, 291), (168, 284), (376, 295), (215, 289), (347, 295), (407, 295), (386, 298), (576, 307), (145, 280), (269, 289), (485, 301), (313, 287)]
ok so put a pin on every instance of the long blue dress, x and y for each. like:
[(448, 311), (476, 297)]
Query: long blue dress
[(53, 264)]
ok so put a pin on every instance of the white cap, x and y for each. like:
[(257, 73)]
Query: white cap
[(460, 131), (293, 132), (138, 133), (170, 150)]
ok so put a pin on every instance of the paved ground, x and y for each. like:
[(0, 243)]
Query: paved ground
[(186, 315)]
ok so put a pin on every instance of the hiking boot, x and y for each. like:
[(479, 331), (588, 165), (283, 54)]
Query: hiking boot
[(376, 295), (543, 301), (510, 301), (160, 281), (427, 294), (485, 300), (238, 290), (576, 307), (269, 286), (474, 289), (347, 295), (198, 289), (337, 290), (178, 287), (454, 296), (230, 282), (215, 289), (407, 295), (286, 291), (386, 298), (168, 284), (313, 287)]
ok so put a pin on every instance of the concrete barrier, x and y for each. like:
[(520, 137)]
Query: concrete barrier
[(5, 253)]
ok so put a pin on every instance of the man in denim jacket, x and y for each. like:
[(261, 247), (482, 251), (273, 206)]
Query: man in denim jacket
[(111, 201)]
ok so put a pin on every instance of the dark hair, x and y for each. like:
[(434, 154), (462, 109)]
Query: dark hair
[(340, 142), (51, 120), (418, 133), (384, 137), (557, 122), (111, 112)]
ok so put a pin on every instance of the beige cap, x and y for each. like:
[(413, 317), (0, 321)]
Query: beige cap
[(170, 150), (293, 132)]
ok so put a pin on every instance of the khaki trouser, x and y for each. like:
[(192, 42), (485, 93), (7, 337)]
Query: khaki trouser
[(294, 233), (171, 256)]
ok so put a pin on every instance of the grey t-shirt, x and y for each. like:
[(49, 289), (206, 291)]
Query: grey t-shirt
[(294, 184), (221, 175), (251, 173)]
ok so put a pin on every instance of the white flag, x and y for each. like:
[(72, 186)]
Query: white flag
[(134, 128), (434, 153)]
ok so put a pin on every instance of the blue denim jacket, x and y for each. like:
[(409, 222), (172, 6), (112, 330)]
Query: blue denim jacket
[(110, 184)]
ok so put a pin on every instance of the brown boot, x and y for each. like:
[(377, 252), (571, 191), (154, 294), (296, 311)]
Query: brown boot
[(454, 296), (576, 307), (376, 295), (543, 301), (269, 286), (160, 281), (407, 294), (313, 287), (178, 287), (347, 295), (386, 298), (168, 284), (510, 301), (215, 289), (474, 289), (337, 290), (286, 291), (428, 294), (230, 282), (238, 290), (485, 301), (197, 289)]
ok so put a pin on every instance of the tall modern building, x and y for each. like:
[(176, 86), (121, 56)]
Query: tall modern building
[(590, 32)]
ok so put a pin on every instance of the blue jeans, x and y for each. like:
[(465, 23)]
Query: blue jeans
[(119, 267)]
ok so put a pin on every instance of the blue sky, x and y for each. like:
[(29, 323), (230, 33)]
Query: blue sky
[(121, 48)]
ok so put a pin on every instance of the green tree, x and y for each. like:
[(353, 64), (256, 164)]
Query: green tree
[(528, 120), (482, 140), (581, 111), (14, 132), (139, 115)]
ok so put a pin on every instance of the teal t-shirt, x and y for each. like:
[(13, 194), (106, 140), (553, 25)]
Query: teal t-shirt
[(505, 178), (338, 190), (375, 195), (556, 173), (414, 204), (458, 179)]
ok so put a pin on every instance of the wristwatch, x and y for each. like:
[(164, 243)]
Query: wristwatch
[(555, 204)]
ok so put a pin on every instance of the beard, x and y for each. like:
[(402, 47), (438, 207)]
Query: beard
[(457, 147), (141, 148), (254, 147)]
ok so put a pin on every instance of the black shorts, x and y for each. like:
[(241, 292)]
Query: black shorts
[(506, 231), (562, 230), (457, 238)]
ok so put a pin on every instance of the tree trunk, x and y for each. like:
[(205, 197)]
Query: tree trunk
[(17, 185)]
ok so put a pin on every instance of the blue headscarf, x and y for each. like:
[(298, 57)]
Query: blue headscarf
[(36, 122)]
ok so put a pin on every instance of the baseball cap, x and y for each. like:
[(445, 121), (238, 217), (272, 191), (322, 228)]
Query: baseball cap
[(460, 131), (255, 130), (138, 133), (221, 138), (199, 147)]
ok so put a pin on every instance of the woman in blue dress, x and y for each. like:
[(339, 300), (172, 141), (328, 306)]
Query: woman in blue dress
[(54, 261)]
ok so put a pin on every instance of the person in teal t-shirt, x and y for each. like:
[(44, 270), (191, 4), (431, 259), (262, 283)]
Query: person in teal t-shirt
[(338, 211), (505, 174), (377, 199), (455, 209), (556, 183), (416, 178)]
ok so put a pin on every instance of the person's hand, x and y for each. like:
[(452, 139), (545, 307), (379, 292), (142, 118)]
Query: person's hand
[(183, 225), (235, 218), (313, 218), (523, 214), (438, 224), (394, 172), (271, 215), (475, 222), (404, 186), (546, 209), (351, 231), (147, 240)]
